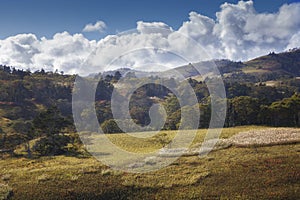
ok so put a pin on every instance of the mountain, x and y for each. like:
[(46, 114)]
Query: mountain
[(265, 68), (205, 67), (282, 63), (269, 67)]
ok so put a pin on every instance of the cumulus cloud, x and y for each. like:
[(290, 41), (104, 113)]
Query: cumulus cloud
[(154, 27), (294, 41), (244, 33), (19, 48), (239, 32), (199, 28), (63, 52), (99, 26)]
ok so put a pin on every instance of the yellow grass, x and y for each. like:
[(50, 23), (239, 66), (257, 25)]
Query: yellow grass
[(233, 173)]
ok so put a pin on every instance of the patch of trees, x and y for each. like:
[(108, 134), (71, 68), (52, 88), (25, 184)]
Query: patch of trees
[(48, 126), (39, 105)]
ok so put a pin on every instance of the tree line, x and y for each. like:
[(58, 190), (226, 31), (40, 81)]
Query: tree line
[(39, 106)]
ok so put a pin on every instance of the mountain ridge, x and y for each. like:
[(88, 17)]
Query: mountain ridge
[(283, 63)]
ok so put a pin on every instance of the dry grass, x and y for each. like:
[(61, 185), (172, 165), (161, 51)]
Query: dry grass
[(5, 191), (266, 137), (270, 172)]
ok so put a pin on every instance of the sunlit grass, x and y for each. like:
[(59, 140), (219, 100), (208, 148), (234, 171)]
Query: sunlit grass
[(233, 173), (146, 145)]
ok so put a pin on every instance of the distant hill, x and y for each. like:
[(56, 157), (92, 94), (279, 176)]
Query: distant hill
[(205, 67), (264, 68), (283, 63), (269, 67)]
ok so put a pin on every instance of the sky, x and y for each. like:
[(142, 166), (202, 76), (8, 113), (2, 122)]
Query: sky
[(87, 36)]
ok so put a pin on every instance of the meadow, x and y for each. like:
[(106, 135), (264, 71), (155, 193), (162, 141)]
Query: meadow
[(252, 172)]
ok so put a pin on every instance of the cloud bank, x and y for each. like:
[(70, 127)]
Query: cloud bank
[(239, 32), (99, 26)]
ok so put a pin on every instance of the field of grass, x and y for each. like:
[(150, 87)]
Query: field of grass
[(234, 173), (249, 70)]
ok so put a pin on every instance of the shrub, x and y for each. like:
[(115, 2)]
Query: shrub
[(110, 126), (52, 145)]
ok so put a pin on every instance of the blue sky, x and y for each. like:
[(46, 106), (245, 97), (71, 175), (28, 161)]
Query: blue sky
[(47, 17), (77, 36)]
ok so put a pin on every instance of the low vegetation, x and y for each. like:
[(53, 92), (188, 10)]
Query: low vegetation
[(270, 172)]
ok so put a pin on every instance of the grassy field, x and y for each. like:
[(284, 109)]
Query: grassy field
[(234, 173)]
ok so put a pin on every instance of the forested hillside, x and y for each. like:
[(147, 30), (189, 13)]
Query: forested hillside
[(38, 105)]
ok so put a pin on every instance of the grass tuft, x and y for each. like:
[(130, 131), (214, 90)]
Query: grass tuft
[(5, 191)]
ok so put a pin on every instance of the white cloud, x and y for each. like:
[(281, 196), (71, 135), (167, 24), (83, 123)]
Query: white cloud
[(154, 27), (19, 49), (64, 52), (245, 34), (199, 28), (294, 41), (99, 26), (238, 33)]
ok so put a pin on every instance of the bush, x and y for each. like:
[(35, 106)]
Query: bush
[(52, 145), (110, 126)]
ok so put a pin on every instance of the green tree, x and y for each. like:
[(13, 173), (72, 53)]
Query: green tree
[(117, 76), (51, 146), (27, 133), (205, 115), (173, 111), (50, 122), (285, 112), (110, 126), (3, 138), (171, 104), (244, 110), (139, 107)]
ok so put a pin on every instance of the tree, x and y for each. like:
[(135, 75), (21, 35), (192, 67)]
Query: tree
[(189, 117), (244, 110), (236, 89), (139, 106), (171, 104), (173, 120), (54, 145), (285, 112), (205, 115), (110, 126), (104, 90), (173, 112), (27, 132), (294, 105), (103, 111), (50, 122), (3, 138), (117, 76)]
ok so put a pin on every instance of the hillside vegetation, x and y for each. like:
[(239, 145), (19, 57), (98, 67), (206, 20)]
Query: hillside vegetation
[(37, 106)]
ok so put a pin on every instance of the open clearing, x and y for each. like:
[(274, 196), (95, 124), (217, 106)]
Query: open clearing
[(266, 137), (248, 172)]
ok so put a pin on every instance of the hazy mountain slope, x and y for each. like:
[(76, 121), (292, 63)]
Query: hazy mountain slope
[(281, 64)]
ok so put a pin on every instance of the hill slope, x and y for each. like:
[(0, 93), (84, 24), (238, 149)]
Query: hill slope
[(276, 65), (285, 63)]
